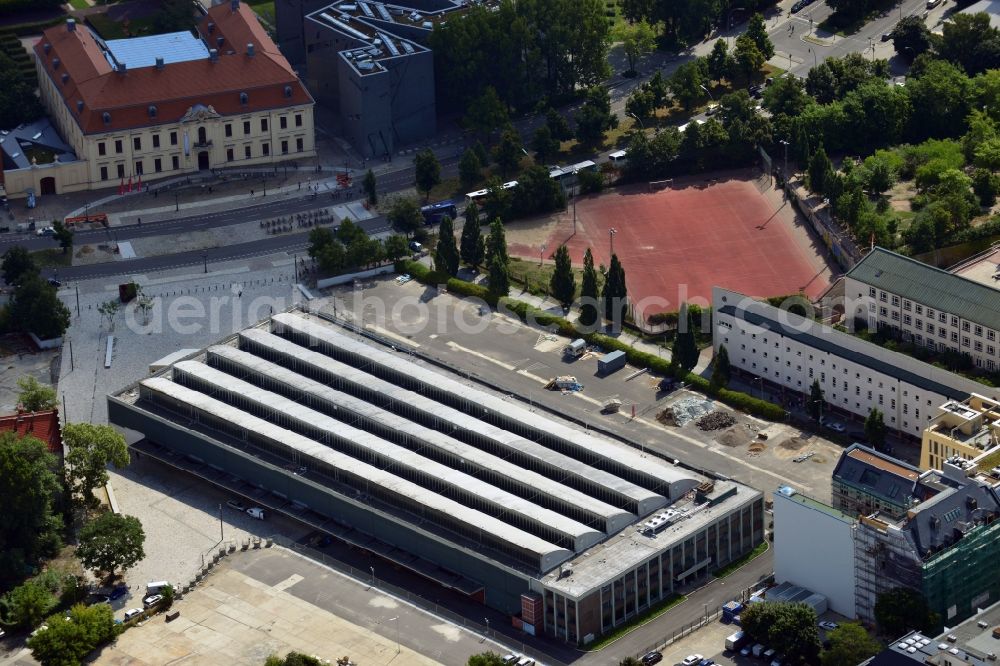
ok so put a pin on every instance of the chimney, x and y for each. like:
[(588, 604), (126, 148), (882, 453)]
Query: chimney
[(213, 55), (249, 46), (219, 41), (122, 68), (235, 5), (159, 63), (70, 25), (79, 105), (46, 47), (211, 28)]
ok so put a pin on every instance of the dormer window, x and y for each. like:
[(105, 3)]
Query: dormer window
[(244, 98), (106, 117), (288, 91), (152, 110), (65, 78), (79, 106), (55, 63)]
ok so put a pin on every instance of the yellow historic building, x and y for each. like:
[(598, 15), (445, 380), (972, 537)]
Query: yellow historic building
[(166, 105)]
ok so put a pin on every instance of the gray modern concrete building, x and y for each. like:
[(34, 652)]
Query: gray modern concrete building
[(568, 531), (369, 62)]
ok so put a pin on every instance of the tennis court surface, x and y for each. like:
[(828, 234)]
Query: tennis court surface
[(676, 243)]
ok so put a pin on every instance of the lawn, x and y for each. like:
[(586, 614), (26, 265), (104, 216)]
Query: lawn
[(264, 9), (108, 28), (52, 258), (79, 4), (732, 567), (536, 278), (989, 462)]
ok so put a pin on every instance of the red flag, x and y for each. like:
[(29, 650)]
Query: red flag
[(139, 186), (130, 183), (121, 187)]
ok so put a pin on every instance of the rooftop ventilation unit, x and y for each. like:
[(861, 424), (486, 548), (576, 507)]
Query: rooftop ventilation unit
[(159, 63), (383, 12), (70, 25), (79, 105), (235, 4), (393, 49), (366, 9), (250, 49), (213, 55), (407, 47)]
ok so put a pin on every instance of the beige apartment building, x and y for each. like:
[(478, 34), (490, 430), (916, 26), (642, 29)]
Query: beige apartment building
[(966, 429), (167, 105)]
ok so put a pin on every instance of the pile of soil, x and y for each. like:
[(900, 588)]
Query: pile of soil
[(666, 417), (716, 421), (732, 437), (793, 443)]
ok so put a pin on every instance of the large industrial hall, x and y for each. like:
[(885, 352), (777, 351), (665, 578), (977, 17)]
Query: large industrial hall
[(568, 531)]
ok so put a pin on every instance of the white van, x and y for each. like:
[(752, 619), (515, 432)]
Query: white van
[(156, 587), (618, 157)]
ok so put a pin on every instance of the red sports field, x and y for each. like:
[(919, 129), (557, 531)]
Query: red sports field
[(679, 242)]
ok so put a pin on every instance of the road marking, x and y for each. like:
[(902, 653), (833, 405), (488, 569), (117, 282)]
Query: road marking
[(288, 582), (393, 335)]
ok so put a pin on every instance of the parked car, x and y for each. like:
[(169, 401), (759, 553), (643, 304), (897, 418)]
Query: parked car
[(713, 108), (152, 600), (706, 662), (653, 657), (54, 282), (415, 246), (692, 660), (118, 592), (236, 504), (45, 231), (131, 613), (256, 512), (826, 624), (745, 652), (511, 658), (835, 426)]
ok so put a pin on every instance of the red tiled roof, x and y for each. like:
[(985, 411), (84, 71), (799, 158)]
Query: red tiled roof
[(178, 86), (40, 425)]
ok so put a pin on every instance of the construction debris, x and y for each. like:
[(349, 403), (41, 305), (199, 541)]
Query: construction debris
[(686, 410), (716, 420)]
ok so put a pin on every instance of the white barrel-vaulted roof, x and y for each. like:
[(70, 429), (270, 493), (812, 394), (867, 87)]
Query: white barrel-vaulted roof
[(543, 554), (390, 456), (546, 490)]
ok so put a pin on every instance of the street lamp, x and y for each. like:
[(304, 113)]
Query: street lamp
[(541, 254), (487, 626), (702, 86), (177, 206), (785, 144), (641, 126), (611, 234), (814, 56), (373, 575), (871, 45), (204, 258)]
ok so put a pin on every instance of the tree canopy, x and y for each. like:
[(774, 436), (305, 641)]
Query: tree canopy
[(589, 314), (69, 638), (90, 449), (789, 628), (684, 351), (35, 396), (112, 542), (901, 610), (446, 257), (850, 645), (563, 281), (427, 171)]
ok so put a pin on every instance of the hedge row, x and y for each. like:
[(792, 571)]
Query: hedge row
[(566, 328), (32, 27)]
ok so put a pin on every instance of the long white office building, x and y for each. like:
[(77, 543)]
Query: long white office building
[(784, 354)]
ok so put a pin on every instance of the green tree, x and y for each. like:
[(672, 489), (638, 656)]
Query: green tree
[(18, 264), (558, 125), (615, 294), (471, 244), (875, 428), (486, 114), (111, 542), (446, 256), (820, 168), (70, 638), (396, 247), (507, 152), (173, 16), (629, 661), (35, 307), (687, 81), (498, 199), (64, 235), (911, 37), (969, 41), (404, 215), (589, 314), (814, 406), (427, 171), (370, 187), (985, 185), (786, 96), (496, 244), (850, 645), (544, 144), (27, 604), (470, 169), (89, 450), (499, 277), (486, 659), (639, 40), (789, 628), (987, 154), (757, 31), (595, 117), (878, 173), (640, 104), (721, 369), (748, 56), (942, 93), (684, 351), (35, 396), (563, 282), (536, 193), (720, 63), (18, 103), (902, 609)]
